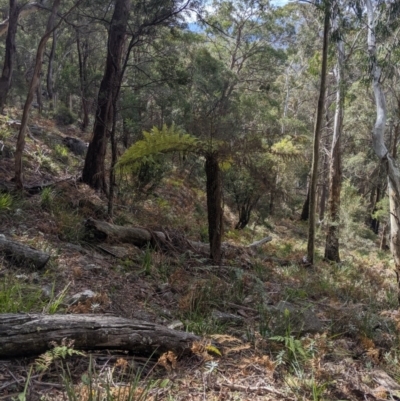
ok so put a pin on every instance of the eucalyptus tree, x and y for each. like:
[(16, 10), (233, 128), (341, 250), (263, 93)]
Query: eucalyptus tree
[(8, 65), (326, 8), (383, 19), (335, 174), (142, 21), (34, 84)]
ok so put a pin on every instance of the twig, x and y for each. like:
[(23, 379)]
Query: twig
[(253, 389), (260, 242)]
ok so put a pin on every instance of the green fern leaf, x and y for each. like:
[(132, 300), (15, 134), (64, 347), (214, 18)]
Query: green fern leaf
[(166, 140)]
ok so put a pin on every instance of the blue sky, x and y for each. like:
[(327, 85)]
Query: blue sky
[(279, 3)]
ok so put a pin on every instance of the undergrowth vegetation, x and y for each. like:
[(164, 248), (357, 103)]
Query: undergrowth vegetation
[(271, 326)]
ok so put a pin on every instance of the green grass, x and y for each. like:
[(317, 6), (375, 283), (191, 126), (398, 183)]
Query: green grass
[(17, 296)]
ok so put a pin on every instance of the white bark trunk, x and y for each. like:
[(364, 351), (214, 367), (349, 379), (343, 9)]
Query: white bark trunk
[(378, 143)]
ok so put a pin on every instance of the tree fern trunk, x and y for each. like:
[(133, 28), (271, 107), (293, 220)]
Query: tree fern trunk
[(214, 208)]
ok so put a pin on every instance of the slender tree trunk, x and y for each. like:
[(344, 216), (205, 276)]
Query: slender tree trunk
[(39, 100), (94, 169), (374, 223), (305, 211), (31, 93), (324, 189), (380, 149), (82, 58), (6, 76), (317, 136), (49, 80), (214, 207), (335, 172)]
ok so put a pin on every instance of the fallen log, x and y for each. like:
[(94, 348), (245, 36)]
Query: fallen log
[(141, 237), (256, 244), (31, 334), (129, 234), (21, 254)]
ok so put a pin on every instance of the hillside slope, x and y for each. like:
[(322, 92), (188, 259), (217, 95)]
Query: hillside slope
[(278, 330)]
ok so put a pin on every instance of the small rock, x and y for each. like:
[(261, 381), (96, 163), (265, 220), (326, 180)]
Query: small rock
[(176, 325), (47, 291), (81, 297), (22, 277)]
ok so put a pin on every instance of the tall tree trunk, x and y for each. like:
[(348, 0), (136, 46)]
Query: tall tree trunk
[(323, 189), (305, 211), (49, 79), (335, 172), (6, 76), (39, 100), (94, 169), (380, 149), (374, 223), (214, 207), (82, 58), (31, 93), (317, 136)]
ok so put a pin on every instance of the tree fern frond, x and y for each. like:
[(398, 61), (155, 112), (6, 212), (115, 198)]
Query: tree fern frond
[(286, 149), (166, 140)]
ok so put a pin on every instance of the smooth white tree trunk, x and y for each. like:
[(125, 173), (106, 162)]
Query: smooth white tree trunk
[(380, 149)]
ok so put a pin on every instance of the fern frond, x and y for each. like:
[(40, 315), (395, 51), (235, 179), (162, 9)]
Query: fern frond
[(286, 149), (166, 140)]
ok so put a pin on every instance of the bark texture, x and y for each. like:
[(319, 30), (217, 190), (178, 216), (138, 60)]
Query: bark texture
[(21, 254), (317, 137), (82, 47), (380, 149), (335, 172), (94, 169), (27, 334), (50, 75), (8, 66), (214, 207), (142, 237), (31, 93)]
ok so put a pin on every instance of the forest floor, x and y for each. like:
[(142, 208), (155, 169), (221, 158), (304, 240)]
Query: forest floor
[(279, 330)]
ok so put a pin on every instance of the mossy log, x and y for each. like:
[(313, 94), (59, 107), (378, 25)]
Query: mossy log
[(21, 254), (31, 334)]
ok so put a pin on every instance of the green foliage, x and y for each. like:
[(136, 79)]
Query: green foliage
[(64, 116), (17, 296), (285, 148), (61, 152), (352, 211), (155, 142), (6, 201), (56, 300), (382, 210), (47, 198), (59, 351)]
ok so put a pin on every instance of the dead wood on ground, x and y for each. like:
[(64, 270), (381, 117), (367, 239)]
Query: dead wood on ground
[(21, 254), (31, 334)]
